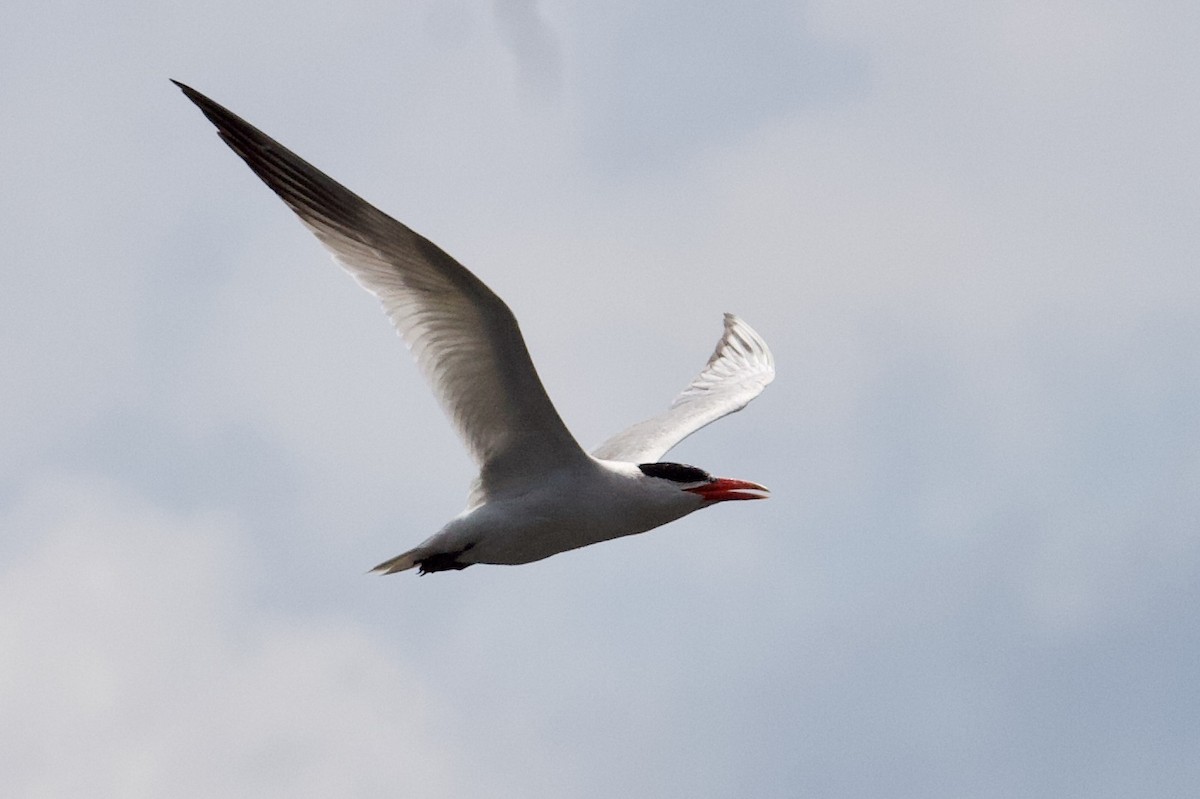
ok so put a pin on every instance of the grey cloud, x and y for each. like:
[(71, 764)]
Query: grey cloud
[(533, 46), (972, 259)]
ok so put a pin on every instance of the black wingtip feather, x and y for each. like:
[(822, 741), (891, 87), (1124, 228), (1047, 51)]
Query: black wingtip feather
[(310, 193), (319, 199)]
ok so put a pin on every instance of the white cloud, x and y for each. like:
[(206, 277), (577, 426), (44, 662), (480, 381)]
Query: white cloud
[(138, 664)]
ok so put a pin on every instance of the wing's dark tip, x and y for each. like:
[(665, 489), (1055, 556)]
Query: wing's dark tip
[(312, 194), (226, 121), (195, 96)]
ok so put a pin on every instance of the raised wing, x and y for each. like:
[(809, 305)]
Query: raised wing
[(739, 369), (464, 337)]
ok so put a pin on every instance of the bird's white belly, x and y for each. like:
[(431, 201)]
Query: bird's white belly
[(536, 531)]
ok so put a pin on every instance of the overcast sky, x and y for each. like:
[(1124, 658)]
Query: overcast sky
[(969, 232)]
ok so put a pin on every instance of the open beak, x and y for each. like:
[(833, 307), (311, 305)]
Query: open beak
[(724, 488)]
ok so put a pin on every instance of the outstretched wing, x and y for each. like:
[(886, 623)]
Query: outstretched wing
[(739, 369), (464, 337)]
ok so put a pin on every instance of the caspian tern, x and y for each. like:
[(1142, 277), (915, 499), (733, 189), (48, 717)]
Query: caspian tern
[(538, 493)]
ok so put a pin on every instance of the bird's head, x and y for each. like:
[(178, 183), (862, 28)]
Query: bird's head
[(699, 482)]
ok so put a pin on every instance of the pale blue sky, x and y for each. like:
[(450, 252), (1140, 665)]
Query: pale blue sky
[(968, 234)]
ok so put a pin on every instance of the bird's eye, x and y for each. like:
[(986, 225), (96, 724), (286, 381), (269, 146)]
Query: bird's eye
[(675, 472)]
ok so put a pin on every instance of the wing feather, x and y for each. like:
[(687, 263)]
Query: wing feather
[(738, 371), (465, 339)]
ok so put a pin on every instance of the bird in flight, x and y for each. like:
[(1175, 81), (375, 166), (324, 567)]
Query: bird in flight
[(538, 492)]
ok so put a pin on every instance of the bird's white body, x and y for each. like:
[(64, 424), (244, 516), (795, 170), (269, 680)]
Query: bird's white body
[(596, 501), (538, 493)]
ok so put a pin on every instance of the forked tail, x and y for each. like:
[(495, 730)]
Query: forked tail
[(400, 562), (426, 559)]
